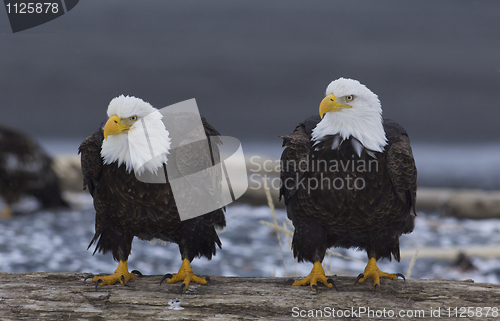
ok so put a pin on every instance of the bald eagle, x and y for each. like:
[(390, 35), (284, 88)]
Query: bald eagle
[(127, 207), (348, 180), (25, 169)]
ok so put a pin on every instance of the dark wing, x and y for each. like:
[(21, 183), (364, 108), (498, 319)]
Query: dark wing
[(192, 160), (400, 163), (213, 137), (195, 158), (201, 181), (91, 160), (294, 160)]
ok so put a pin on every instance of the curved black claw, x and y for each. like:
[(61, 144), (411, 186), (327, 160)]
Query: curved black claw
[(166, 276), (88, 277), (376, 288), (289, 282), (208, 279), (182, 287), (401, 276), (332, 283), (138, 273), (360, 276), (314, 287), (97, 283), (123, 279)]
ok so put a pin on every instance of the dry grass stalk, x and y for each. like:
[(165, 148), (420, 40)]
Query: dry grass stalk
[(412, 263), (271, 207)]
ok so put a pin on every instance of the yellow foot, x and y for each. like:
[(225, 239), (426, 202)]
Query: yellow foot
[(121, 275), (185, 275), (6, 212), (317, 275), (372, 271)]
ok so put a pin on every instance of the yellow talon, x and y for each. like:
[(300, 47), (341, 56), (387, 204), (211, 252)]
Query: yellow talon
[(122, 270), (372, 271), (317, 275), (186, 275)]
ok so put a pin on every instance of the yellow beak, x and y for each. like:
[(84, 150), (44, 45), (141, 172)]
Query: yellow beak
[(113, 126), (330, 103)]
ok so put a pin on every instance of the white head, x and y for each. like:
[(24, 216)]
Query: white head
[(135, 135), (351, 109)]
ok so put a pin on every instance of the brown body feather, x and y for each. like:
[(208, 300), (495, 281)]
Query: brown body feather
[(126, 207), (370, 218)]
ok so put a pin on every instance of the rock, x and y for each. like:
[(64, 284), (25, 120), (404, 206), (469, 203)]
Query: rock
[(69, 171)]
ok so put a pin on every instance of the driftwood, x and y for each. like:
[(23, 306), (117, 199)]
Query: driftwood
[(474, 204), (64, 296), (452, 253)]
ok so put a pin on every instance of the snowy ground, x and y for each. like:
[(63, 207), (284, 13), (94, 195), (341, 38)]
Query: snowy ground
[(57, 241)]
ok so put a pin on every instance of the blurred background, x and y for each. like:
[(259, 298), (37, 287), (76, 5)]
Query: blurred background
[(256, 69)]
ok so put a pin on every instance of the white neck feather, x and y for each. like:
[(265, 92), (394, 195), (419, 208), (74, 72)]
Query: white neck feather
[(144, 147), (362, 121), (365, 125)]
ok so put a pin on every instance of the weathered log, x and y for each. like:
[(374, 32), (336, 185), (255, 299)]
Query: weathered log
[(64, 296), (460, 203), (452, 253)]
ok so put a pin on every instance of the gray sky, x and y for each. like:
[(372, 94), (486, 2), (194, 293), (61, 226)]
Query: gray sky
[(257, 68)]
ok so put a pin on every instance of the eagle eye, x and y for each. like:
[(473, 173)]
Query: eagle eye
[(133, 118), (349, 98)]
